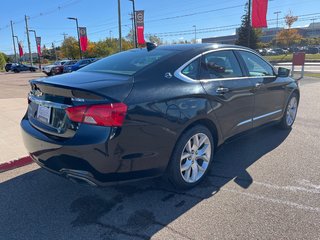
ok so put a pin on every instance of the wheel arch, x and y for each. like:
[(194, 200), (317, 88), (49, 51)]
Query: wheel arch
[(210, 125)]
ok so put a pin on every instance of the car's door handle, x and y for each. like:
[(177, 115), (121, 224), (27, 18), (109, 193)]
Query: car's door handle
[(259, 84), (222, 90)]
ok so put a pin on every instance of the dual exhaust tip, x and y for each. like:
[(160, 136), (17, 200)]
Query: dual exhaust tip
[(80, 177)]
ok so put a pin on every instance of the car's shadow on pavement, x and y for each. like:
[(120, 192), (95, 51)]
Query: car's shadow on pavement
[(40, 205)]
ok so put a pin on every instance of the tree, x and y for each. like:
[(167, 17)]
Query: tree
[(155, 39), (288, 37), (2, 60), (70, 48), (243, 32)]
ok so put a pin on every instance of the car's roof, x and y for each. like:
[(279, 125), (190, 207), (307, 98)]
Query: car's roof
[(199, 46)]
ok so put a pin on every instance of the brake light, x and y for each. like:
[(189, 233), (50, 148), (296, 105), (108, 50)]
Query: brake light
[(111, 114)]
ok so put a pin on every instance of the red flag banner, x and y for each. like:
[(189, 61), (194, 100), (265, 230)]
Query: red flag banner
[(20, 49), (140, 26), (83, 38), (259, 13), (38, 42)]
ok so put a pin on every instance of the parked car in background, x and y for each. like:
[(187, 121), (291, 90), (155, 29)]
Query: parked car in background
[(313, 50), (48, 69), (8, 66), (21, 68), (262, 51), (144, 113), (60, 68), (80, 64)]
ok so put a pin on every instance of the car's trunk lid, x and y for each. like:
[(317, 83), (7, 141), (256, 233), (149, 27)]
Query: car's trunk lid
[(49, 97)]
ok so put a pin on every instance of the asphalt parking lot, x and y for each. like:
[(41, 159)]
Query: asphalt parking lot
[(264, 185)]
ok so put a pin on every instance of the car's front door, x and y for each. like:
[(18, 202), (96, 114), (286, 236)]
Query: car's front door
[(230, 91), (269, 91)]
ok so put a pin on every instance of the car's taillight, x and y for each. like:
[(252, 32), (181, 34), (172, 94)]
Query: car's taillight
[(111, 114)]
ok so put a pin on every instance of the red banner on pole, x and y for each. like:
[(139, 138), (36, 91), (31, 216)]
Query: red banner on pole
[(83, 38), (38, 42), (259, 13), (140, 26), (20, 49)]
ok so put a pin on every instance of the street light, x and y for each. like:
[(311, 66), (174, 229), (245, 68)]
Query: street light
[(195, 33), (76, 19), (134, 23), (35, 38)]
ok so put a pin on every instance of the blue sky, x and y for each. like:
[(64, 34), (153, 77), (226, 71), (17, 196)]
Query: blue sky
[(171, 19)]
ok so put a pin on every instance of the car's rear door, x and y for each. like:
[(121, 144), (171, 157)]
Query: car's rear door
[(230, 91), (269, 91)]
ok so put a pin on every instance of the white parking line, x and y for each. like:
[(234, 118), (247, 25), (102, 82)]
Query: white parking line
[(275, 200)]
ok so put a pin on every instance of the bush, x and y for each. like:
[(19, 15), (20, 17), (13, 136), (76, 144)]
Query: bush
[(2, 61)]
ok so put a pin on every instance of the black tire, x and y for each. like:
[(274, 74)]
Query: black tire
[(16, 71), (285, 123), (174, 173)]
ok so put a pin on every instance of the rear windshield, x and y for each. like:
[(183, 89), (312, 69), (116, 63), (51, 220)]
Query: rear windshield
[(128, 62)]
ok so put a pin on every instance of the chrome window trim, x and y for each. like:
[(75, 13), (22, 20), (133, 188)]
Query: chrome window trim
[(178, 73), (258, 117)]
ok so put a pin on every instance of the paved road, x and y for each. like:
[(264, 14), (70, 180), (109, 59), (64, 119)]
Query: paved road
[(265, 185)]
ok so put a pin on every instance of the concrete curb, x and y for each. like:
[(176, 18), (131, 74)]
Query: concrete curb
[(15, 164)]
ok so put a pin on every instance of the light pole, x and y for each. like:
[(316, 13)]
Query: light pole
[(35, 38), (195, 33), (119, 23), (110, 34), (134, 23), (277, 12), (76, 19)]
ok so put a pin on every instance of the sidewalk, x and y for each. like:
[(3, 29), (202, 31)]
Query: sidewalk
[(11, 145)]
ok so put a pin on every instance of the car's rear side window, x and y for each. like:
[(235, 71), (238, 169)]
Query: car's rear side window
[(128, 62), (192, 69), (220, 64)]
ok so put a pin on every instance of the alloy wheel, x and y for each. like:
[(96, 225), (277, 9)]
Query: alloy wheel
[(291, 111), (195, 157)]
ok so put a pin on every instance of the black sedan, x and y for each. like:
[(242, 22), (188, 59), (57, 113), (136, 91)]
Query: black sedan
[(21, 68), (151, 112)]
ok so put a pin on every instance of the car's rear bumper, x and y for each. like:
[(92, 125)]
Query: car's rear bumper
[(90, 156)]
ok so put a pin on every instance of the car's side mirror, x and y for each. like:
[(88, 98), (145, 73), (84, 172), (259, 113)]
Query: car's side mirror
[(283, 72)]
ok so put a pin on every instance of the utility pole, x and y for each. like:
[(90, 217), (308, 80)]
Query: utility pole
[(29, 46), (313, 35), (110, 34), (119, 23), (14, 45), (133, 30), (277, 12), (249, 23), (64, 35), (195, 33), (134, 23)]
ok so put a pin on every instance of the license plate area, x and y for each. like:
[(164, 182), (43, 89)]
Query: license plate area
[(44, 114)]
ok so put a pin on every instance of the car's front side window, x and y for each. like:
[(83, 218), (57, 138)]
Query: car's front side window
[(256, 65), (220, 64)]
